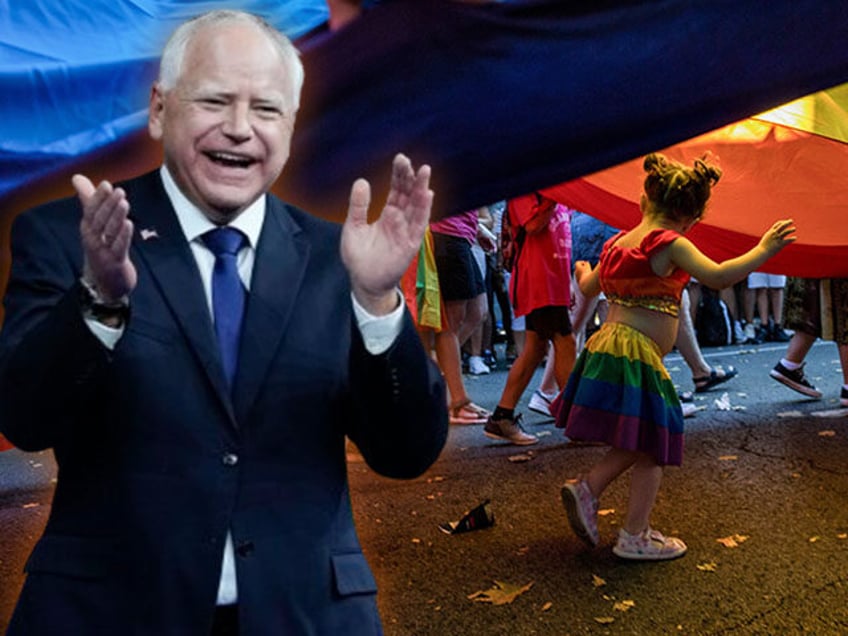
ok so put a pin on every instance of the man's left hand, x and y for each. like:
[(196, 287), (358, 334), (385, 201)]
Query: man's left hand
[(377, 254)]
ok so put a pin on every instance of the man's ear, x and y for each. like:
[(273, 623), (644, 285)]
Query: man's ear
[(156, 112)]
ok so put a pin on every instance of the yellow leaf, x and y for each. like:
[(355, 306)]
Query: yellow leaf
[(728, 458), (598, 581), (604, 620), (813, 539), (605, 512), (842, 535), (501, 594), (547, 606), (707, 567), (733, 540), (623, 606)]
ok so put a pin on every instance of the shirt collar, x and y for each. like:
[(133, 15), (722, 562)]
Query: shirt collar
[(194, 223)]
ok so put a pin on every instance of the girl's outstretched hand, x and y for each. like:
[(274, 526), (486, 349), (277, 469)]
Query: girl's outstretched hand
[(778, 236)]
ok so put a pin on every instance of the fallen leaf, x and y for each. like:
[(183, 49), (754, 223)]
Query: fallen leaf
[(598, 581), (827, 433), (623, 606), (523, 550), (728, 458), (501, 594), (416, 540), (605, 512), (547, 606), (522, 457), (733, 540), (707, 567), (604, 620), (813, 539), (842, 535)]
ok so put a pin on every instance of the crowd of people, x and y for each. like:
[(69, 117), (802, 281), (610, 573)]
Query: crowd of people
[(604, 379)]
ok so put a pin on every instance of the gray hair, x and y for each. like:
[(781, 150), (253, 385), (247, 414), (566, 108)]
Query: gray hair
[(173, 54)]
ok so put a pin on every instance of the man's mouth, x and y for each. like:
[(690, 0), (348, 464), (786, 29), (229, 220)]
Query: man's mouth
[(230, 160)]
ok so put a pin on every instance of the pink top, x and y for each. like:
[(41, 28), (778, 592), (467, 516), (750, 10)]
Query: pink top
[(541, 275), (463, 225)]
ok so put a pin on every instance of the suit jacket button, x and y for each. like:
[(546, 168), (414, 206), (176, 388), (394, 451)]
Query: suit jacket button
[(230, 459)]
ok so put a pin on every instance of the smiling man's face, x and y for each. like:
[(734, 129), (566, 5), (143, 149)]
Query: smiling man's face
[(226, 125)]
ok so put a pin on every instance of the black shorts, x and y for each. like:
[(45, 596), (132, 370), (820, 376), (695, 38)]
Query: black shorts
[(549, 321), (459, 276)]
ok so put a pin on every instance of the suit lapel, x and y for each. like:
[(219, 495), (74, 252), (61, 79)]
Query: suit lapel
[(160, 244), (278, 273)]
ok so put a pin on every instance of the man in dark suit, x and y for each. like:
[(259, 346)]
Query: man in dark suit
[(197, 397)]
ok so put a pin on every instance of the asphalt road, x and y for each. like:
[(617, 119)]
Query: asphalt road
[(768, 474)]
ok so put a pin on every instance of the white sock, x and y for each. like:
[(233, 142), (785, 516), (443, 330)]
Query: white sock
[(790, 365)]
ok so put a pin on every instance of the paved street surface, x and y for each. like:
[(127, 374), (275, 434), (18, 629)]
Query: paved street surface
[(768, 474)]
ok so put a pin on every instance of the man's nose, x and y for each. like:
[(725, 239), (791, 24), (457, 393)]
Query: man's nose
[(237, 123)]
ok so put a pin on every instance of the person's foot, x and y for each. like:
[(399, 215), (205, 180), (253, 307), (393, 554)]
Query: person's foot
[(581, 506), (754, 334), (716, 377), (738, 332), (777, 334), (509, 430), (476, 366), (540, 403), (795, 380), (648, 545), (467, 413)]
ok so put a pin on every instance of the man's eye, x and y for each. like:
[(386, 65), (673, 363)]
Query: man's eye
[(269, 111), (211, 101)]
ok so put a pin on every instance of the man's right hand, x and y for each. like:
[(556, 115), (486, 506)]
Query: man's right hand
[(106, 233)]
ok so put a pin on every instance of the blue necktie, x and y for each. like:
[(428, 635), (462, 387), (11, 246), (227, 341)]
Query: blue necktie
[(228, 294)]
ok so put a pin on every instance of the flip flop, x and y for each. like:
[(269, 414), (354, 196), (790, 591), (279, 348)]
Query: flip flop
[(716, 377)]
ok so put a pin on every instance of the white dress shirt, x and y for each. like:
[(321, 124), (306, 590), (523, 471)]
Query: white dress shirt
[(378, 332)]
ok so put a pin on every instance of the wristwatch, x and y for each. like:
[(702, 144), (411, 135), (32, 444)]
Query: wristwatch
[(114, 313)]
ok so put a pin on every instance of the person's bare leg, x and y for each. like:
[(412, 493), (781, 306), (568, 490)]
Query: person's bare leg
[(750, 299), (763, 306), (644, 484), (472, 313), (522, 370), (694, 291), (447, 355), (563, 355), (581, 311), (687, 343), (799, 346), (843, 359), (549, 385), (605, 471)]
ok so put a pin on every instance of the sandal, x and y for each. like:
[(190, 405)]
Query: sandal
[(466, 412), (716, 377)]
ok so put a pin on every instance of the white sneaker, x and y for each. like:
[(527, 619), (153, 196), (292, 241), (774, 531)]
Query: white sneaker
[(648, 545), (540, 403), (476, 366)]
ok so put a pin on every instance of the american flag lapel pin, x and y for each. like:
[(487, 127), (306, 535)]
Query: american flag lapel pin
[(149, 233)]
